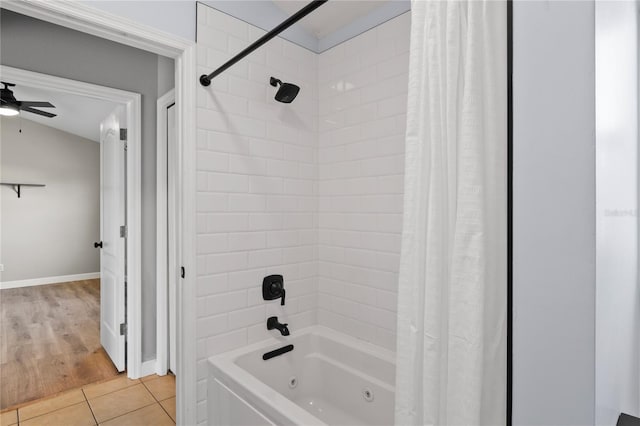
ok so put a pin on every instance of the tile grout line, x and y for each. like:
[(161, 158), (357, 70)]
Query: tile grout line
[(128, 412), (86, 400), (166, 412), (157, 401), (148, 390), (90, 409), (110, 392), (140, 381), (52, 411)]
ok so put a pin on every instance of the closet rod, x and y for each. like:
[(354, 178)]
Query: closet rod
[(205, 80)]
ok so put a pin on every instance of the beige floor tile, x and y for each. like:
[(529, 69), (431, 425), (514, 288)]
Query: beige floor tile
[(98, 389), (149, 377), (150, 415), (75, 415), (9, 418), (169, 406), (163, 387), (117, 403), (51, 404)]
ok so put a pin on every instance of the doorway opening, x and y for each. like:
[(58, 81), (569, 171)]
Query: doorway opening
[(62, 330), (114, 28)]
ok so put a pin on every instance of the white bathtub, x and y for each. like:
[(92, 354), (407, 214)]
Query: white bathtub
[(328, 379)]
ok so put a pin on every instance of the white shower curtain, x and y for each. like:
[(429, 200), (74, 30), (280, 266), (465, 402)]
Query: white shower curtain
[(452, 302)]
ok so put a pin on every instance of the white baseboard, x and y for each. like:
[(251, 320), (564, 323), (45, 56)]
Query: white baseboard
[(148, 367), (48, 280)]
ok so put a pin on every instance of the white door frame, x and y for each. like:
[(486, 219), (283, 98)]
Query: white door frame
[(132, 103), (112, 27), (164, 240)]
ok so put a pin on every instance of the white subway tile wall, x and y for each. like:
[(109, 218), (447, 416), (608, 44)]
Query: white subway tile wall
[(311, 190), (257, 189), (362, 107)]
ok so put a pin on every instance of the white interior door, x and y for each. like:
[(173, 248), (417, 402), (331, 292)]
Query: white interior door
[(112, 254)]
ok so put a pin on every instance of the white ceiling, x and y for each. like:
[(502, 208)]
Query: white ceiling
[(327, 26), (78, 115), (331, 16)]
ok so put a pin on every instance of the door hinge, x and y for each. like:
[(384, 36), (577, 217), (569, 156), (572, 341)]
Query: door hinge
[(182, 273), (123, 329), (123, 231), (123, 138)]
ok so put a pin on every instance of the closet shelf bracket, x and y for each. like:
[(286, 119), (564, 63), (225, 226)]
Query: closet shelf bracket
[(17, 187)]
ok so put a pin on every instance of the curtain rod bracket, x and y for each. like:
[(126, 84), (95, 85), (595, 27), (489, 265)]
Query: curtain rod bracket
[(205, 80)]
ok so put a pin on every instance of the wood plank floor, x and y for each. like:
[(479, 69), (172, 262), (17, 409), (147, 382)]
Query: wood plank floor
[(50, 341)]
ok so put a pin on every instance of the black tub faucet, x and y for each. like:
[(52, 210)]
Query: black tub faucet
[(272, 323)]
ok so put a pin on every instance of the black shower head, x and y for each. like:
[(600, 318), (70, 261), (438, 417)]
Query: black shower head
[(287, 91)]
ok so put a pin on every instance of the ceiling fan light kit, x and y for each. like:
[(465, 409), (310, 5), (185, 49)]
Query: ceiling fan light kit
[(8, 110), (10, 106)]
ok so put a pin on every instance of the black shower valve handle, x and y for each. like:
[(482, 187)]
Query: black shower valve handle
[(273, 288), (277, 289)]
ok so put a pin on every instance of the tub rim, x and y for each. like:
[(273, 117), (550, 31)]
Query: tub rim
[(263, 396)]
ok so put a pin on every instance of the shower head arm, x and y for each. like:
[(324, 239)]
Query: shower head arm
[(274, 82)]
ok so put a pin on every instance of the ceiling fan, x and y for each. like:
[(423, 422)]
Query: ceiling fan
[(9, 105)]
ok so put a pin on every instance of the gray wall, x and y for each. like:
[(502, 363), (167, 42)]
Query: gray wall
[(49, 231), (554, 213), (618, 294), (39, 46), (166, 75)]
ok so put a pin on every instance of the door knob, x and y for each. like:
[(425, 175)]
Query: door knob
[(96, 245)]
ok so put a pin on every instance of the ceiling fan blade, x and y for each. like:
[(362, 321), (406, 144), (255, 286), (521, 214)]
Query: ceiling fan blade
[(36, 104), (37, 111)]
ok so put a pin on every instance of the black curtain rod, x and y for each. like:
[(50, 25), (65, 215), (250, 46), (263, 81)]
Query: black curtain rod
[(205, 80)]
